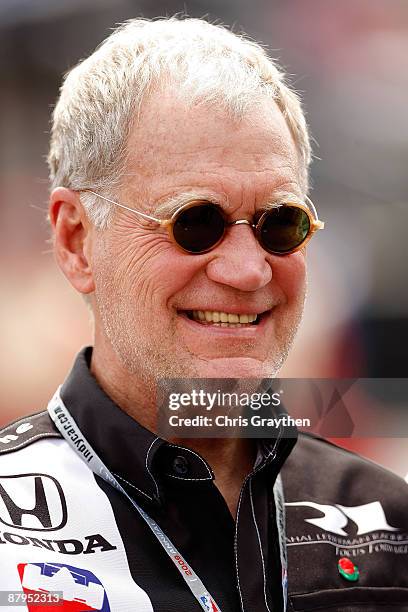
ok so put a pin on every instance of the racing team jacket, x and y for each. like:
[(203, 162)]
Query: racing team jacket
[(64, 529)]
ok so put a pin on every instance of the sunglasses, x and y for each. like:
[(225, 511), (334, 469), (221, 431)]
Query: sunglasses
[(200, 226)]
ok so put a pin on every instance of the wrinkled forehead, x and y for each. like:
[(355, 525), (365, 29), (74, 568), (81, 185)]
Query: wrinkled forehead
[(173, 142)]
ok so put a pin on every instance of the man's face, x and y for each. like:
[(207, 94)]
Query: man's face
[(148, 291)]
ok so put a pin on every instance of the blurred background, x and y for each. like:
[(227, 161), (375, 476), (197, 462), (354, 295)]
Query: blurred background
[(349, 61)]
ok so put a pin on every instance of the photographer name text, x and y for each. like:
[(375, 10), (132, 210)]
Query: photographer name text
[(226, 421)]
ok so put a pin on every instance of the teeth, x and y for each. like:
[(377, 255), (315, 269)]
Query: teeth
[(233, 318), (223, 319)]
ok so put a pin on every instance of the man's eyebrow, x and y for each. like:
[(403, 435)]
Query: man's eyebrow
[(282, 198), (166, 208)]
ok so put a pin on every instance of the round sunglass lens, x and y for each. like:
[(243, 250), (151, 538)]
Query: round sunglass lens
[(198, 228), (284, 228)]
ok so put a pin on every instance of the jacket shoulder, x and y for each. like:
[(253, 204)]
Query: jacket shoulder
[(320, 471), (26, 430), (319, 466)]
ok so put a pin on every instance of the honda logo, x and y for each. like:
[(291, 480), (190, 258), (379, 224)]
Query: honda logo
[(32, 501)]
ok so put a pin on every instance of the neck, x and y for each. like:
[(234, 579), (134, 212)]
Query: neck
[(231, 459), (134, 395)]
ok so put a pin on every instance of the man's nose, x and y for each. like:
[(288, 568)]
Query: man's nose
[(240, 261)]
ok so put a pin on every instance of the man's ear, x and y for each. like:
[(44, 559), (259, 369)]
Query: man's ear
[(73, 234)]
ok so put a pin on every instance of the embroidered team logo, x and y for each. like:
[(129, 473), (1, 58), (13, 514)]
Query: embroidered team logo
[(81, 589), (367, 517)]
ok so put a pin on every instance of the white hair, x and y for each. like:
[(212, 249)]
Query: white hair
[(101, 97)]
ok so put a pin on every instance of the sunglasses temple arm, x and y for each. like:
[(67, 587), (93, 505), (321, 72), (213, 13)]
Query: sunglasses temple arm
[(137, 212), (312, 206)]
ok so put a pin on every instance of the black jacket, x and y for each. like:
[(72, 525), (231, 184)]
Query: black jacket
[(62, 528)]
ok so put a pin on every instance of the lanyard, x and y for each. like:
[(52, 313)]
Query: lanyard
[(66, 425)]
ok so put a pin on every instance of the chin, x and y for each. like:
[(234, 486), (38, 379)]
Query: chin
[(238, 367)]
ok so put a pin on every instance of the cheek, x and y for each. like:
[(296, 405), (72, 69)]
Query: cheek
[(148, 270), (290, 274)]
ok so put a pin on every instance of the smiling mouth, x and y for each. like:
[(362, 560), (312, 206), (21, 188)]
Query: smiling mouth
[(224, 319)]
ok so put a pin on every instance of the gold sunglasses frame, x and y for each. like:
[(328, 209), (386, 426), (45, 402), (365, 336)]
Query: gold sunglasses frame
[(314, 222)]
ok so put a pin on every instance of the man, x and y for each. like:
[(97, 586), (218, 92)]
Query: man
[(179, 162)]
